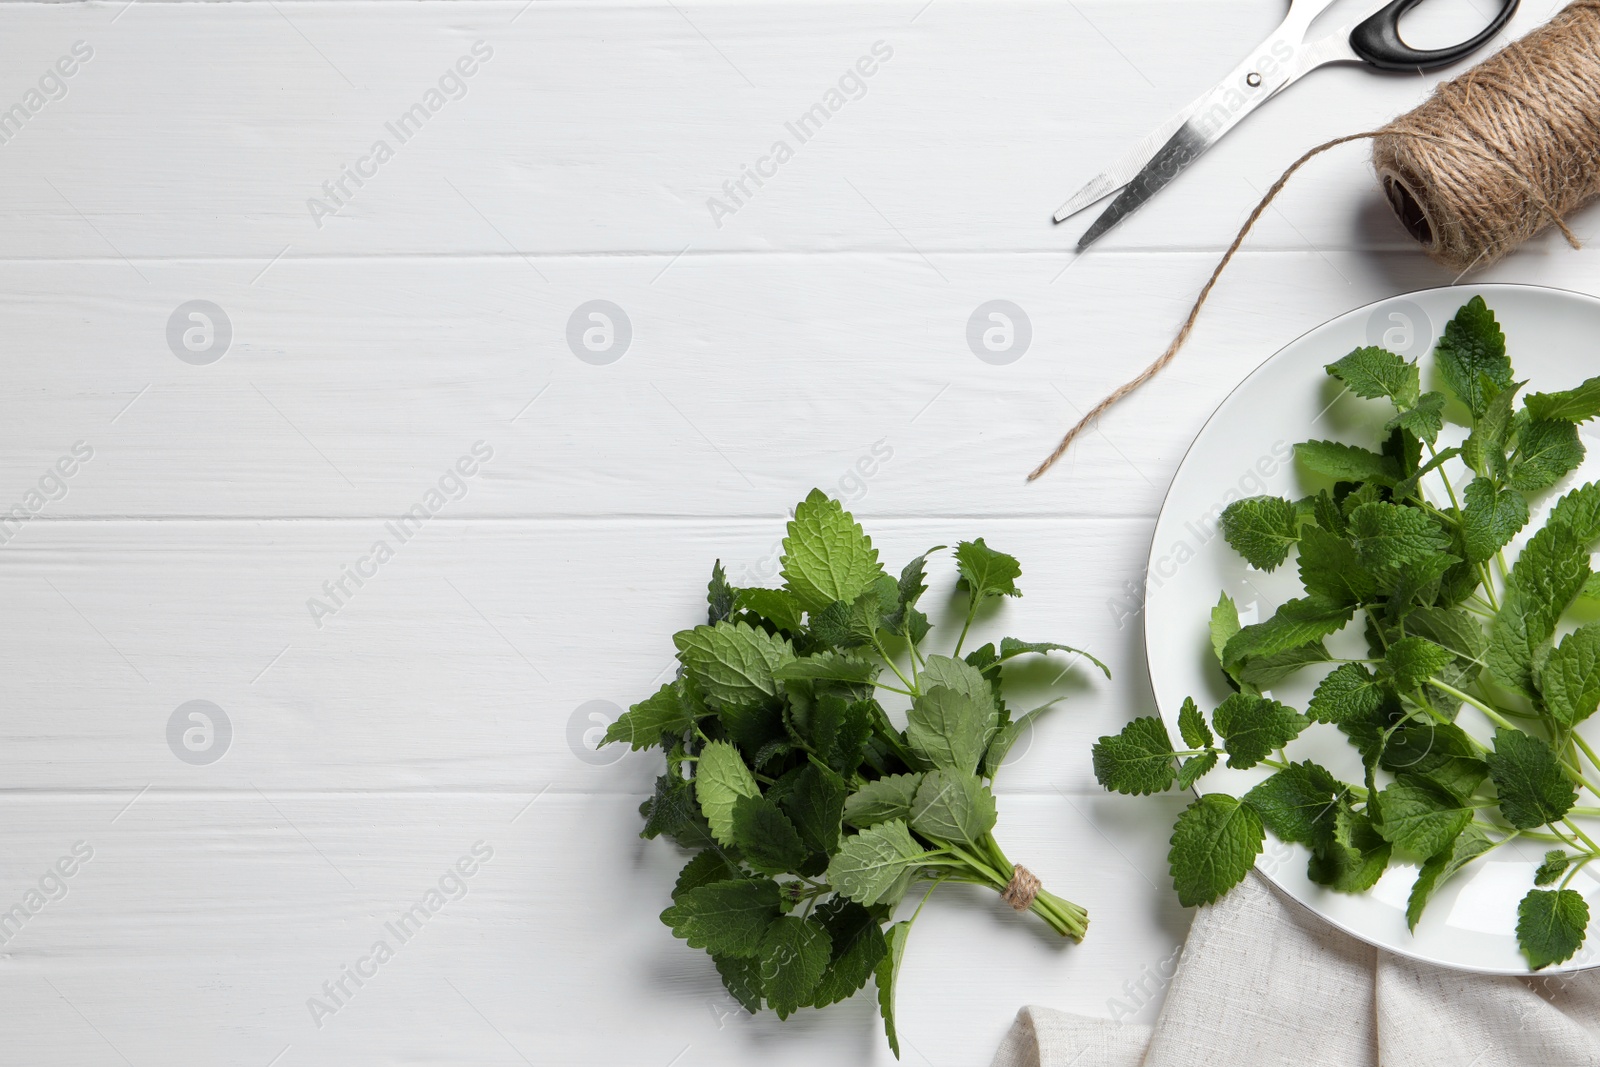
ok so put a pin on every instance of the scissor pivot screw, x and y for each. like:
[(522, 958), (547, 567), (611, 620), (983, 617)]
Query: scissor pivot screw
[(1253, 80)]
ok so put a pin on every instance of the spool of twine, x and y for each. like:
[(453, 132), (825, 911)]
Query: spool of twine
[(1491, 159)]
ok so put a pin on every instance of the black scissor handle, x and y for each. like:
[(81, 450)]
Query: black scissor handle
[(1377, 40)]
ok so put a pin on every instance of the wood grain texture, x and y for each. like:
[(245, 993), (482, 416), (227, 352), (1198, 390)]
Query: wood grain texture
[(817, 337)]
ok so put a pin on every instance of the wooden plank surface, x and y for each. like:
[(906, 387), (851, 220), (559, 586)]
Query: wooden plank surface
[(187, 501)]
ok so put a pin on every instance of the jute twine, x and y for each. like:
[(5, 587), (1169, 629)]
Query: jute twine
[(1024, 886), (1492, 158)]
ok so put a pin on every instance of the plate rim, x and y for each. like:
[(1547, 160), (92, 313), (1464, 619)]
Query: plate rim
[(1150, 560)]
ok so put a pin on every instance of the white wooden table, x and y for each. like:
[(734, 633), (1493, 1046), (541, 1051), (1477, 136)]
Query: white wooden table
[(812, 332)]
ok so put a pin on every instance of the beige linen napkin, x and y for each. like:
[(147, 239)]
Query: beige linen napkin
[(1264, 982)]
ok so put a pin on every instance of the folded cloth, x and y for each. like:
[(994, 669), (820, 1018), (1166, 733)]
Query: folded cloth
[(1263, 981)]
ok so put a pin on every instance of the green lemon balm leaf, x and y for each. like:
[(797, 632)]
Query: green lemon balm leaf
[(733, 662), (725, 918), (858, 946), (963, 677), (1330, 568), (1548, 576), (1295, 624), (1551, 925), (721, 778), (777, 606), (949, 729), (710, 865), (719, 595), (794, 954), (1262, 529), (1555, 864), (1299, 803), (1374, 373), (1192, 725), (1388, 537), (904, 619), (766, 837), (1425, 420), (1007, 736), (1471, 351), (1468, 846), (674, 810), (985, 572), (1410, 661), (882, 800), (1347, 463), (1010, 648), (1579, 512), (1253, 726), (1579, 404), (1263, 672), (1547, 451), (1214, 845), (1224, 624), (1533, 790), (669, 711), (1349, 693), (871, 864), (1196, 767), (1421, 817), (826, 556), (1356, 857), (741, 977), (827, 666), (816, 807), (1437, 752), (954, 808), (1137, 761), (1491, 518), (886, 976), (1571, 676)]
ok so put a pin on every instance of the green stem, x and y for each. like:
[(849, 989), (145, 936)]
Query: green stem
[(1504, 828), (1587, 751), (1444, 720), (1000, 881), (937, 882), (1493, 715), (1575, 775), (1488, 587), (1565, 840), (1578, 830), (1573, 871), (1445, 478), (972, 613), (910, 689)]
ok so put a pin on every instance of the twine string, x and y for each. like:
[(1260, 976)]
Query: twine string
[(1022, 889), (1491, 159)]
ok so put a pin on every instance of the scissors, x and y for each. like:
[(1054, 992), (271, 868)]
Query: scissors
[(1278, 62)]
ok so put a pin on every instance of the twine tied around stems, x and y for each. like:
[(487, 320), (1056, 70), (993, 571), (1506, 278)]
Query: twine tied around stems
[(1024, 886)]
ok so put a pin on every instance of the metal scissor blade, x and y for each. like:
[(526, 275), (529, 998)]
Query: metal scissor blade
[(1242, 82), (1126, 167), (1182, 149), (1211, 116)]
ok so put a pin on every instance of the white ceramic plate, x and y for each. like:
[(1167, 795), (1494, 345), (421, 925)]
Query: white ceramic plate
[(1245, 450)]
